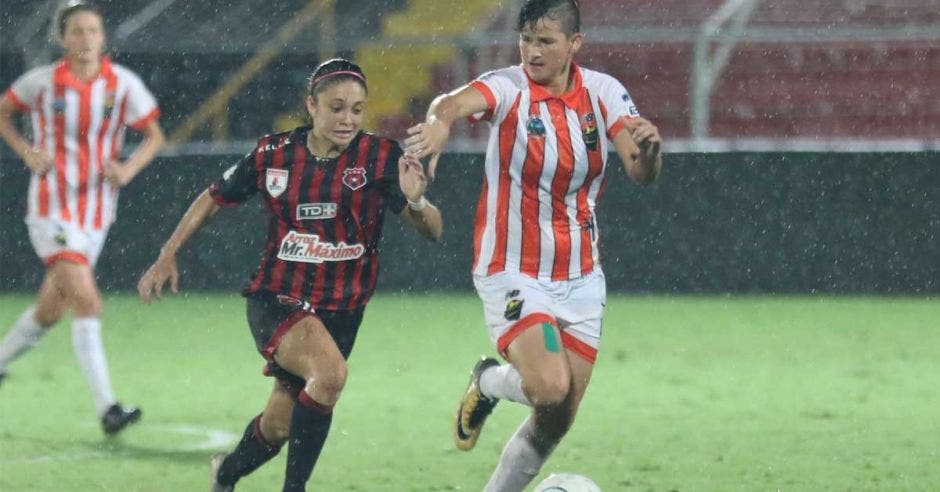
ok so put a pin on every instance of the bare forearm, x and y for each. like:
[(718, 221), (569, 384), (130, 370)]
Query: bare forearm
[(199, 212), (645, 169), (445, 109), (143, 156), (426, 221), (12, 136)]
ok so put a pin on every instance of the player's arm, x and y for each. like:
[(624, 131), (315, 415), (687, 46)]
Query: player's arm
[(37, 160), (420, 214), (429, 138), (639, 146), (122, 173), (151, 283)]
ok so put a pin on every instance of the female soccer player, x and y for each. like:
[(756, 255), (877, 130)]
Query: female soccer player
[(536, 262), (79, 107), (326, 188)]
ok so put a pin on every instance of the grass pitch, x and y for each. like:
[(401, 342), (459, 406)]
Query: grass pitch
[(689, 394)]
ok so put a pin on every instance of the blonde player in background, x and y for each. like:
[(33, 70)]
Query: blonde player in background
[(536, 264), (79, 108)]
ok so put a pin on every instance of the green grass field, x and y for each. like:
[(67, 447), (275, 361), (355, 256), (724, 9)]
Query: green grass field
[(689, 394)]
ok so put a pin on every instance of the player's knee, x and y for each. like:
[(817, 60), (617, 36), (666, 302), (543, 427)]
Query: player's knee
[(330, 381), (46, 317), (86, 303), (547, 389), (275, 430)]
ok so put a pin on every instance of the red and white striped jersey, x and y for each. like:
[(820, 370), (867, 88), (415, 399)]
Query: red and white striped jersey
[(82, 125), (544, 171)]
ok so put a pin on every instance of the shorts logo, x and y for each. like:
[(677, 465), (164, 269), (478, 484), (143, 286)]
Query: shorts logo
[(354, 178), (513, 309), (307, 248), (535, 127), (316, 211), (275, 181), (60, 238), (294, 303)]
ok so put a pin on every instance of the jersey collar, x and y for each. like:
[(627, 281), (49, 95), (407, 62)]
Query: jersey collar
[(64, 76), (571, 98)]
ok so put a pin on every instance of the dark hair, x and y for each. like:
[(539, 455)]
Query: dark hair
[(332, 72), (70, 8), (566, 12)]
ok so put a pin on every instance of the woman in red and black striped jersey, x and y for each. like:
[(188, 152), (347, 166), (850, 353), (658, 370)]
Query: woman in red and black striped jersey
[(326, 188)]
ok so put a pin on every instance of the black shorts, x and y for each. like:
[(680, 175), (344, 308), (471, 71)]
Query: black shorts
[(270, 316)]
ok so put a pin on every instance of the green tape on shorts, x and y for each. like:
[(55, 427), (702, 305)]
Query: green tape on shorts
[(551, 340)]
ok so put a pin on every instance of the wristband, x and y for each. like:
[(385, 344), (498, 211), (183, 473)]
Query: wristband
[(419, 205)]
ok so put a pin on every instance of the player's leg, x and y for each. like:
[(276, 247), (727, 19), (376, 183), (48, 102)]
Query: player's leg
[(262, 440), (308, 350), (32, 324)]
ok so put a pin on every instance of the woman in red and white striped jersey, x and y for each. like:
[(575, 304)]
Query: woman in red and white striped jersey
[(79, 108), (536, 262)]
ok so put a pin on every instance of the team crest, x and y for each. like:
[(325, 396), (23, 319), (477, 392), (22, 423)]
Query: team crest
[(589, 131), (58, 105), (354, 178), (535, 127), (108, 104), (275, 181)]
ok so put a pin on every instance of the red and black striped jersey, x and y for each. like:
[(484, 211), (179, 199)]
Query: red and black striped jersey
[(325, 216)]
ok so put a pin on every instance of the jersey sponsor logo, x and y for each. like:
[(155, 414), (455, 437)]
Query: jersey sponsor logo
[(535, 127), (108, 104), (307, 248), (354, 178), (275, 181), (589, 131), (316, 211), (275, 145)]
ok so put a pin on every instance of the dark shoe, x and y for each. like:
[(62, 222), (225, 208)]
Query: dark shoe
[(3, 376), (118, 417), (214, 466), (474, 408)]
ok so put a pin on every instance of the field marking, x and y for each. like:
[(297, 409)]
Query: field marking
[(212, 439)]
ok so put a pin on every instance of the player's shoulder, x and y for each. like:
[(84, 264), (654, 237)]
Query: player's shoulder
[(594, 78), (274, 141), (512, 76), (40, 74), (377, 139), (124, 73)]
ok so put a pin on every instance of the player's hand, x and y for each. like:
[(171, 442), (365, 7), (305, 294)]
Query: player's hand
[(38, 161), (646, 136), (428, 139), (117, 173), (411, 177), (151, 283)]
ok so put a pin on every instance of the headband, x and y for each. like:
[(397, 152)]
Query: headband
[(338, 72)]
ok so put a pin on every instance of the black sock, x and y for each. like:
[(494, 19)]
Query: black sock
[(310, 423), (252, 451)]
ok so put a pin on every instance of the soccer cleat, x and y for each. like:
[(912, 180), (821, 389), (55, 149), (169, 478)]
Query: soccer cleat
[(474, 408), (3, 376), (214, 466), (118, 417)]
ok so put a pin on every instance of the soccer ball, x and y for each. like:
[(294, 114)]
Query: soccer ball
[(567, 482)]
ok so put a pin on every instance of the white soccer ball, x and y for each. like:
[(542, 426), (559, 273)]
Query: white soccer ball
[(567, 482)]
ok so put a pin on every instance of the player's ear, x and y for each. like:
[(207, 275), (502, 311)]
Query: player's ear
[(311, 104), (576, 40)]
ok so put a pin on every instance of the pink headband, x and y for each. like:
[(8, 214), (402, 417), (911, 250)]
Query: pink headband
[(338, 72)]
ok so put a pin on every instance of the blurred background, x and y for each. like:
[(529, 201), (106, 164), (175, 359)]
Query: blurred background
[(802, 137)]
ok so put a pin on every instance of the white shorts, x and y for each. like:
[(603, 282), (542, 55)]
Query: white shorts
[(54, 240), (513, 302)]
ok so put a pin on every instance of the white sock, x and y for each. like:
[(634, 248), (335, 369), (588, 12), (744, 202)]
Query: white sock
[(23, 335), (519, 463), (503, 382), (86, 340)]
